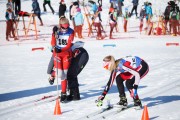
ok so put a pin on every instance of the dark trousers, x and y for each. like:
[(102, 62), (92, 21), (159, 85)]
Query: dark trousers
[(17, 8), (77, 65), (49, 3), (134, 8), (129, 83)]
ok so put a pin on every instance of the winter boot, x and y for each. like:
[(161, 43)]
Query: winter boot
[(63, 97), (70, 96), (74, 94), (41, 23), (137, 102), (123, 101)]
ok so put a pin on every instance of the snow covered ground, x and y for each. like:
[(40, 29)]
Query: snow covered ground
[(24, 80)]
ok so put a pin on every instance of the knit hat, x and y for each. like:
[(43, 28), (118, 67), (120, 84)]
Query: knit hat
[(78, 9)]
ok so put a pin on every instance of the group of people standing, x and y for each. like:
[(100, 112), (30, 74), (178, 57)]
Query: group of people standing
[(172, 17)]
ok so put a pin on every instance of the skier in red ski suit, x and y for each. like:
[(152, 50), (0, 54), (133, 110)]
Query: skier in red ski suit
[(130, 69), (61, 42)]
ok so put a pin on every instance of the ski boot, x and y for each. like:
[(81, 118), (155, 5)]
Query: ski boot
[(63, 97), (137, 102), (123, 101), (74, 94)]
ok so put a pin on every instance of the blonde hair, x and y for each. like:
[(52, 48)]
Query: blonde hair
[(63, 20), (110, 59)]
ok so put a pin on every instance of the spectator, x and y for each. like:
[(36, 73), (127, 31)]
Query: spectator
[(62, 8), (74, 11), (37, 10), (10, 22), (49, 3), (97, 23), (112, 21), (79, 21), (167, 14), (120, 4), (148, 14), (174, 20), (135, 5), (17, 6)]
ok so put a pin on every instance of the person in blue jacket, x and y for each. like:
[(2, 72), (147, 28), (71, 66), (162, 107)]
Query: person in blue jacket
[(79, 21), (93, 6), (149, 13), (37, 10)]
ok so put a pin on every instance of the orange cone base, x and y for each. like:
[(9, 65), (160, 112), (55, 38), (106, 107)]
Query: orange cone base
[(57, 110), (145, 115)]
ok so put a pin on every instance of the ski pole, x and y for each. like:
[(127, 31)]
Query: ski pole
[(57, 68)]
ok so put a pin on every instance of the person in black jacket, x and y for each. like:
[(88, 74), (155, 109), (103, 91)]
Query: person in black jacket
[(78, 62), (49, 3), (135, 5), (17, 6), (62, 8)]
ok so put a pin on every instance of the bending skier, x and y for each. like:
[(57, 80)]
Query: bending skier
[(130, 69), (78, 62)]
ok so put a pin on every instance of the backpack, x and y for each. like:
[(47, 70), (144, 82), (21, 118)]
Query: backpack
[(174, 15)]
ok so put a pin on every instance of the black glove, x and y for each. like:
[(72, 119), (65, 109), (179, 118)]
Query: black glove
[(57, 50), (55, 29), (135, 86)]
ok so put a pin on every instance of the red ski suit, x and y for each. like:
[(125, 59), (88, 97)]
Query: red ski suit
[(62, 60)]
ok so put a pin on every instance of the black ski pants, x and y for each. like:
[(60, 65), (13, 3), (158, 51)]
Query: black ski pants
[(77, 65), (129, 83), (17, 7), (134, 8), (49, 3)]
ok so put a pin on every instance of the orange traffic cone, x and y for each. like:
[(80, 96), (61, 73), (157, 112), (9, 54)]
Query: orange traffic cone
[(145, 115), (57, 110)]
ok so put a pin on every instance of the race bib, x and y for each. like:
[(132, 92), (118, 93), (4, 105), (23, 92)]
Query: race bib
[(62, 40), (132, 60)]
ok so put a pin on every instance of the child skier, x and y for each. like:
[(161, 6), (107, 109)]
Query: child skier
[(79, 21), (130, 69), (37, 10), (97, 24), (126, 16), (61, 42), (141, 17), (10, 19), (112, 21)]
